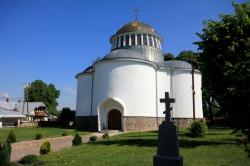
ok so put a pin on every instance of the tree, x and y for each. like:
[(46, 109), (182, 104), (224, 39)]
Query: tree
[(225, 61), (38, 91), (210, 106), (168, 56), (67, 114), (186, 55)]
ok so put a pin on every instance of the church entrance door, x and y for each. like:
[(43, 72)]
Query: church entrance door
[(114, 120)]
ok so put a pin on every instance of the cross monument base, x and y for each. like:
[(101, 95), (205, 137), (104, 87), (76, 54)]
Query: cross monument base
[(168, 146), (160, 160)]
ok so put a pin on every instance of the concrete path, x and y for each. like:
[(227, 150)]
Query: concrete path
[(24, 148)]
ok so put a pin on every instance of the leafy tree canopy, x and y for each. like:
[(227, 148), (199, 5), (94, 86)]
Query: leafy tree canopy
[(38, 91), (186, 55), (168, 57), (225, 61), (67, 114)]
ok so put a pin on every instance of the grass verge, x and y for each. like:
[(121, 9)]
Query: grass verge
[(29, 133), (217, 148)]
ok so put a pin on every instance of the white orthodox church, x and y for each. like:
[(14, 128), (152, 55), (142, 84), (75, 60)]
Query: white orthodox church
[(122, 91)]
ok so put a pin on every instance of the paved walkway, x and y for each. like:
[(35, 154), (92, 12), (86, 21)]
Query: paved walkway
[(23, 148)]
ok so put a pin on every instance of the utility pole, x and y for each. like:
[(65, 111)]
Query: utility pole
[(193, 91), (26, 98)]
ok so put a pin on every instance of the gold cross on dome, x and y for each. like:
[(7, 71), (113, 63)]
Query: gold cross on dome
[(136, 10)]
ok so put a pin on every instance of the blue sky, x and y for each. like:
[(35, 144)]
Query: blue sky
[(53, 40)]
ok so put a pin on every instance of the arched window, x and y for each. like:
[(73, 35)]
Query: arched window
[(145, 40), (121, 42), (133, 39), (138, 39), (150, 40)]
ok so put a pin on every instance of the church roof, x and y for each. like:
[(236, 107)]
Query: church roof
[(135, 26), (177, 64), (124, 53), (88, 69)]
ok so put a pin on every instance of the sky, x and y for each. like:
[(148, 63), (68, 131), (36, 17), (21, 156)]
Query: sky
[(53, 40)]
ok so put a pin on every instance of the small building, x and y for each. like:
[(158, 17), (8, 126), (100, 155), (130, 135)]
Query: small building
[(37, 111), (9, 114)]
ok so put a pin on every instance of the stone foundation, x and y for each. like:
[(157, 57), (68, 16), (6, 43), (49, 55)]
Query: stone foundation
[(183, 122), (131, 123), (136, 123), (88, 122)]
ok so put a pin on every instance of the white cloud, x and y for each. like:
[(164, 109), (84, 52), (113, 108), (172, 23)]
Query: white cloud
[(5, 95), (70, 90)]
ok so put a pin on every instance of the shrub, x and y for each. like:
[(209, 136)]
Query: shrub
[(39, 136), (93, 138), (28, 159), (12, 137), (64, 134), (5, 152), (77, 140), (198, 129), (106, 135), (45, 148)]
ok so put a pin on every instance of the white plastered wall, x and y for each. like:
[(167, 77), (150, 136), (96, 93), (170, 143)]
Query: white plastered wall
[(132, 82), (83, 101), (163, 85), (182, 92)]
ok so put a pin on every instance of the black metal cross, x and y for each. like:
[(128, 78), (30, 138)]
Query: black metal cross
[(136, 10), (167, 102)]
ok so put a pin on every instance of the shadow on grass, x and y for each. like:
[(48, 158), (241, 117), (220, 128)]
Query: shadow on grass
[(131, 142), (185, 143), (152, 142)]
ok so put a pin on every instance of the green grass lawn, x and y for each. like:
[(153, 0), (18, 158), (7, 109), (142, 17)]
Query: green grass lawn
[(29, 133), (217, 148)]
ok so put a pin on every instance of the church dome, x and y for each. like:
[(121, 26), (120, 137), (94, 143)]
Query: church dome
[(124, 53), (135, 26)]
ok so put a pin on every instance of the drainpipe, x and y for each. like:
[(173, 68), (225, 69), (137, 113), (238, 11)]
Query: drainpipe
[(171, 89), (193, 90)]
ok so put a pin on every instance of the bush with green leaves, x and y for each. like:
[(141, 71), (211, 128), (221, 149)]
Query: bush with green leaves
[(64, 134), (45, 148), (29, 159), (106, 135), (77, 140), (5, 152), (198, 129), (39, 136), (93, 138), (12, 137)]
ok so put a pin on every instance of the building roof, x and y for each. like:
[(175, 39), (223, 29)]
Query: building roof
[(8, 110), (32, 106), (124, 53), (88, 69), (8, 105), (177, 64), (135, 26)]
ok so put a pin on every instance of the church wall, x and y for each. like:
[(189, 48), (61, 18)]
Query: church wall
[(131, 82), (182, 92), (83, 101), (140, 123), (163, 85)]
